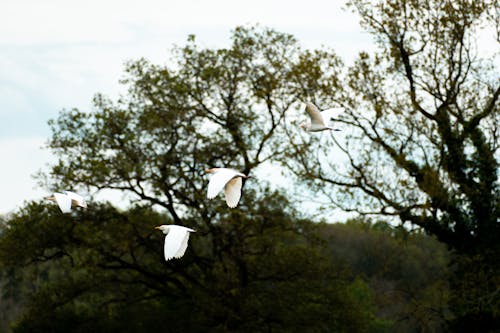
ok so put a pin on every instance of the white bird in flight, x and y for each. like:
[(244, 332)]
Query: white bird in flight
[(68, 199), (228, 179), (319, 120), (176, 240)]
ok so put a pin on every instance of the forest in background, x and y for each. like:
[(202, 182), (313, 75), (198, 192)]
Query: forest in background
[(360, 276), (417, 161)]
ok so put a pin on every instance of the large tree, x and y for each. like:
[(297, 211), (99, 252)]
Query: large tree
[(421, 132), (253, 268), (420, 144)]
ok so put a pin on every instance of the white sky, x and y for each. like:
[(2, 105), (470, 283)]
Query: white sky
[(57, 54)]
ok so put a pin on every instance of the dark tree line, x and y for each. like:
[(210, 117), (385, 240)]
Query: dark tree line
[(103, 270)]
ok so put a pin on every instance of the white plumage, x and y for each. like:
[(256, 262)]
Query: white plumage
[(319, 120), (228, 179), (68, 199), (176, 240)]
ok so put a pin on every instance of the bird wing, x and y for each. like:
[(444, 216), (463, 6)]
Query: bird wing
[(218, 181), (183, 247), (176, 241), (332, 113), (314, 114), (80, 201), (63, 201), (232, 191)]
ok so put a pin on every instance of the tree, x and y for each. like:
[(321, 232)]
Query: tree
[(421, 126), (248, 269), (406, 271), (421, 146), (103, 270)]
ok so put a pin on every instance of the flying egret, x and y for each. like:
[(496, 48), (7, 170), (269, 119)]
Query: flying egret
[(319, 120), (176, 240), (68, 199), (228, 179)]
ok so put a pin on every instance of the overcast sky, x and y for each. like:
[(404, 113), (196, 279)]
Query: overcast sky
[(58, 54)]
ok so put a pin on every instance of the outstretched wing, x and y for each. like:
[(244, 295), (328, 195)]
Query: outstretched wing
[(233, 191), (218, 181), (80, 201), (331, 114), (63, 201), (173, 242), (176, 241), (314, 114), (184, 245)]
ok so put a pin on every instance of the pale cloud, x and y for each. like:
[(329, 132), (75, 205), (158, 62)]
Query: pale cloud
[(57, 54), (115, 22), (22, 158), (42, 22)]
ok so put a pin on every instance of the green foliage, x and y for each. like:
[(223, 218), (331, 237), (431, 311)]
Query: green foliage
[(420, 146), (107, 273), (422, 133), (224, 107), (407, 273), (476, 300), (422, 121), (103, 270)]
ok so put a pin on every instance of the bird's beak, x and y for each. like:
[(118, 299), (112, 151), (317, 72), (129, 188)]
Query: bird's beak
[(157, 228), (208, 170), (51, 198)]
